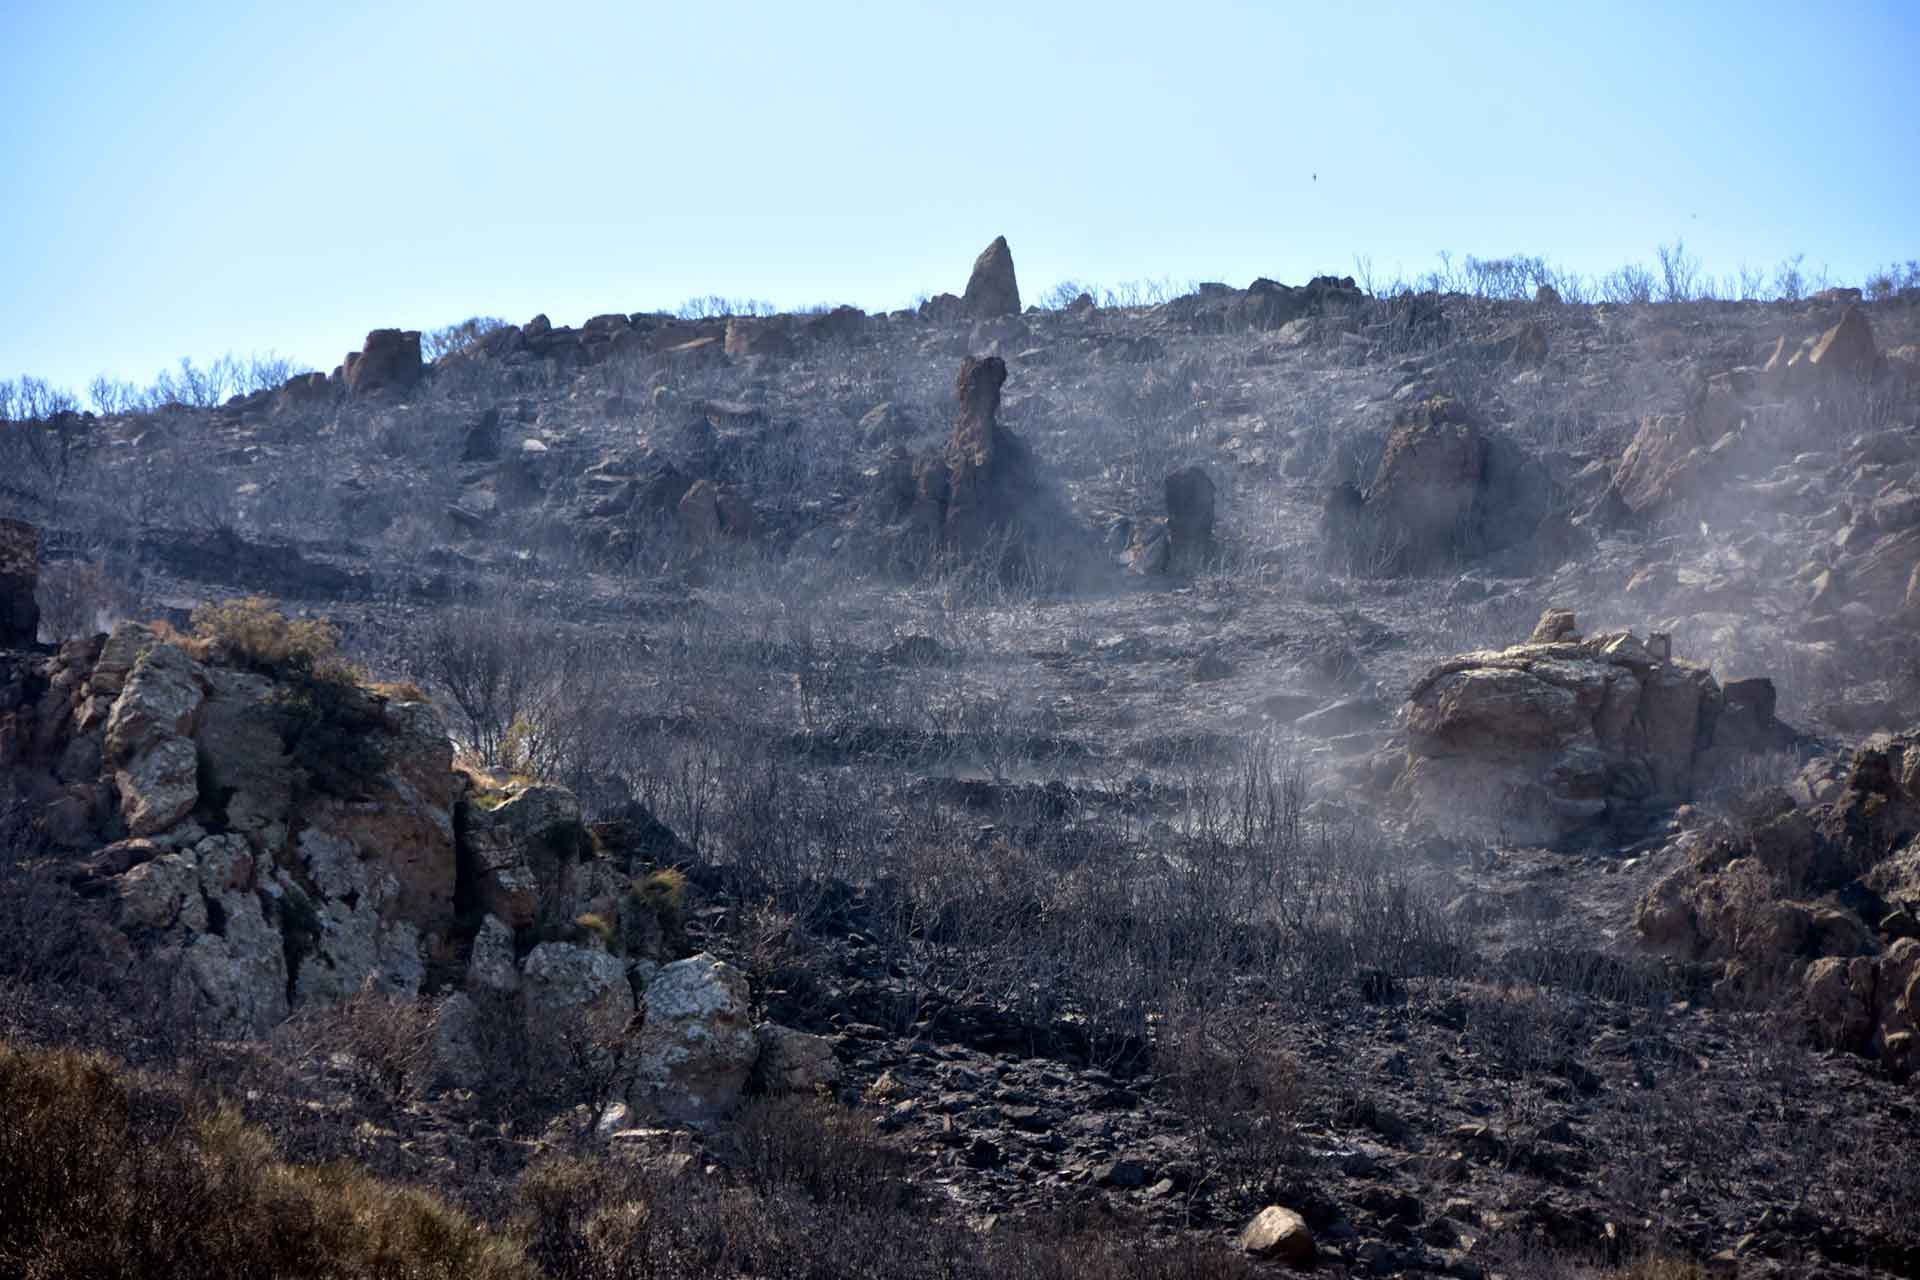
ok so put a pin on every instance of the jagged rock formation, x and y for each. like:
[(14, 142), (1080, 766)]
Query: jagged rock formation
[(1738, 420), (1563, 738), (984, 493), (219, 830), (19, 575), (991, 289), (1822, 893), (1446, 490)]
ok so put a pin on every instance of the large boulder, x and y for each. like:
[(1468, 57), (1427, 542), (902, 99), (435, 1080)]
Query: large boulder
[(750, 336), (697, 1045), (19, 577), (578, 1004), (1560, 739), (1446, 490), (711, 515), (390, 361), (1846, 351), (521, 842), (992, 289)]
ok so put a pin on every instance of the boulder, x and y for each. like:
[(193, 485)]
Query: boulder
[(992, 289), (1279, 1234), (521, 843), (390, 361), (789, 1061), (1667, 464), (19, 578), (1445, 490), (697, 1045), (1845, 351), (490, 965), (1558, 739), (711, 516), (577, 1003), (1839, 997)]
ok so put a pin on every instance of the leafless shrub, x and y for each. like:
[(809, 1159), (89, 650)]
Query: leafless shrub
[(1789, 281), (1229, 1071), (715, 307), (83, 598), (1679, 273), (386, 1039), (530, 692), (1630, 285), (437, 344)]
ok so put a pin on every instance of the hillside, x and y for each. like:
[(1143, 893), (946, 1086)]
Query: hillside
[(1409, 785)]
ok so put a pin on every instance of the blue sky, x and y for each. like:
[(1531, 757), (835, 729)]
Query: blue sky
[(197, 178)]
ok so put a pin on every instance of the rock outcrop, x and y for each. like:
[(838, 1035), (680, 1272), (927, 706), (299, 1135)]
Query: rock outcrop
[(984, 493), (19, 578), (390, 361), (1446, 490), (1740, 420), (991, 289), (1264, 305), (267, 876), (1562, 738)]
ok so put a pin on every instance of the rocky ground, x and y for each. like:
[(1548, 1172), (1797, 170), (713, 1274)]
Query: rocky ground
[(1434, 765)]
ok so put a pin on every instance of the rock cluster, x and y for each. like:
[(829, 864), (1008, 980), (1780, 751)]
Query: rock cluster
[(1263, 306), (1739, 419), (1564, 738), (271, 879), (1446, 490), (1818, 885)]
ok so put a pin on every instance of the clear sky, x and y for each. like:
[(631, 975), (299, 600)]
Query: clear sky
[(194, 178)]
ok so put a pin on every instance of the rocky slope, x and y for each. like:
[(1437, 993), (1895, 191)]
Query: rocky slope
[(1103, 749)]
